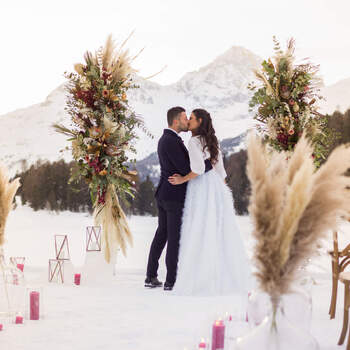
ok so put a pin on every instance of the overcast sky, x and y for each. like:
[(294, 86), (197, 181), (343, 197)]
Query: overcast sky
[(42, 39)]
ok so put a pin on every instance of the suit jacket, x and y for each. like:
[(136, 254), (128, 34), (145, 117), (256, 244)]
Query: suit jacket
[(173, 158)]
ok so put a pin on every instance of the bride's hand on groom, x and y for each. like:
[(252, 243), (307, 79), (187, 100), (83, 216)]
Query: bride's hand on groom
[(176, 179)]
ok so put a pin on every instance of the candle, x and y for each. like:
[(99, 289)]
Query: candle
[(34, 305), (1, 327), (246, 313), (202, 344), (19, 319), (228, 317), (20, 267), (218, 335), (77, 279)]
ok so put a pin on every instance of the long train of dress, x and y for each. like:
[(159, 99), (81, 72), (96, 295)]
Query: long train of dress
[(212, 257)]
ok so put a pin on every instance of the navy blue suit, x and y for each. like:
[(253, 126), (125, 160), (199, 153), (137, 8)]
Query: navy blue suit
[(173, 158)]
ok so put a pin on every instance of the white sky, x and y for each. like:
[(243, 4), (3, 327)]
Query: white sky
[(41, 39)]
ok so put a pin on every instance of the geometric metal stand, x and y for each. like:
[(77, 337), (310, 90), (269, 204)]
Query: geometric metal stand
[(56, 270), (61, 247), (93, 238)]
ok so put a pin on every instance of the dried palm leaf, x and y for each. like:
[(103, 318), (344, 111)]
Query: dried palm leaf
[(63, 130), (261, 76), (107, 52), (116, 233)]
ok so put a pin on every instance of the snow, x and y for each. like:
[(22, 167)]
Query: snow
[(337, 97), (120, 313)]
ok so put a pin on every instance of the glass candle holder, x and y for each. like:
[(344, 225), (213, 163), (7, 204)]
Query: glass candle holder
[(4, 321), (18, 262), (12, 291), (203, 344)]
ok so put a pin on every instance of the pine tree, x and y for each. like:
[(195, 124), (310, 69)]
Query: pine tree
[(238, 181), (145, 202)]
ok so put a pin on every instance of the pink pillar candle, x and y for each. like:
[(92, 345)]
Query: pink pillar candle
[(34, 305), (19, 319), (218, 336), (20, 267), (1, 327), (202, 345), (77, 279)]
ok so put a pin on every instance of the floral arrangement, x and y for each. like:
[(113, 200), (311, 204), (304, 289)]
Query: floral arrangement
[(292, 207), (286, 103), (8, 191), (102, 135)]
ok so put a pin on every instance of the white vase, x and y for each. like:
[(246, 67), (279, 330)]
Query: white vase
[(277, 332)]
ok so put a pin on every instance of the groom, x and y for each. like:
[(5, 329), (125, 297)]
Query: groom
[(173, 159)]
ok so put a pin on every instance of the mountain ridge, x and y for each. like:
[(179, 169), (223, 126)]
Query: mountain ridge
[(219, 87)]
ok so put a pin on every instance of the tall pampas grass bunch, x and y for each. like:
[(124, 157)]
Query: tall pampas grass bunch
[(8, 190), (292, 207)]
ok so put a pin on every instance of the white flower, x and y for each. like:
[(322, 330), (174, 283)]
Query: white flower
[(109, 125), (122, 131), (85, 83), (126, 147), (87, 140), (106, 162)]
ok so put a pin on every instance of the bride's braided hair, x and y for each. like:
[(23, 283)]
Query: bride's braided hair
[(206, 133)]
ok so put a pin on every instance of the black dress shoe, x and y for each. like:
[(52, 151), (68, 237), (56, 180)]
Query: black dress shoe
[(152, 282), (168, 286)]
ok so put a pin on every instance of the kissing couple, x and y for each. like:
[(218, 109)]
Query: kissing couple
[(205, 254)]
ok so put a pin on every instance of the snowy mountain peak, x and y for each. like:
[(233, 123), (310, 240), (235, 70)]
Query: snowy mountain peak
[(233, 66), (222, 84), (236, 55)]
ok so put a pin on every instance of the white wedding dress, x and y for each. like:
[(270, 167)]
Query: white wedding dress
[(212, 257)]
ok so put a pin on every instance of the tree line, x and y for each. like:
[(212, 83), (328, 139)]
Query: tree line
[(45, 184)]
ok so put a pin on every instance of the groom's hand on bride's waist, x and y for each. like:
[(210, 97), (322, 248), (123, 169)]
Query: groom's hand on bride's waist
[(176, 179)]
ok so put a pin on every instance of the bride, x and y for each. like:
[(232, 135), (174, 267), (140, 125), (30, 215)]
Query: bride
[(212, 258)]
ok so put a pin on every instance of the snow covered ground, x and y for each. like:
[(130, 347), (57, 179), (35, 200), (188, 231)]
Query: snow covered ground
[(121, 314)]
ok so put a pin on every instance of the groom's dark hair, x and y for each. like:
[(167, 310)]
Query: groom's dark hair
[(173, 113)]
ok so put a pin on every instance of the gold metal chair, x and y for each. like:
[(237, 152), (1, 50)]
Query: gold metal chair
[(340, 260), (344, 277)]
